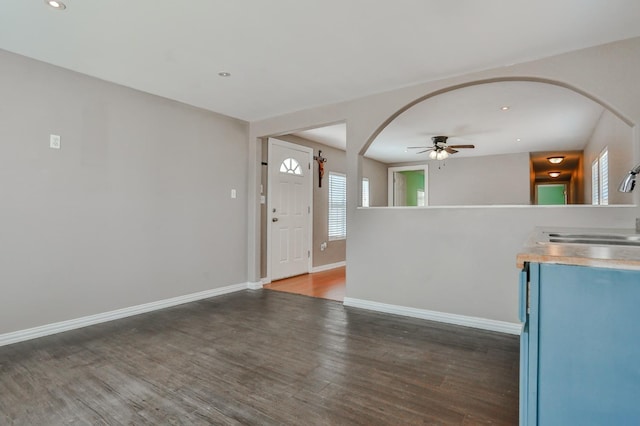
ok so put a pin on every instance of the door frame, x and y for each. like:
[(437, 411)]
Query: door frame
[(566, 191), (309, 151), (391, 186)]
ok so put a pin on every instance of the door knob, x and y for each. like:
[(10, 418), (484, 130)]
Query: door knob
[(275, 219)]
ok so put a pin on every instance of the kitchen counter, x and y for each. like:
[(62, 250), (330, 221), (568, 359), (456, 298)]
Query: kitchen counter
[(538, 250)]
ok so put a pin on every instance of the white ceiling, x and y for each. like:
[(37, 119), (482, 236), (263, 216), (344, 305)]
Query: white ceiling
[(334, 135), (544, 117), (287, 55)]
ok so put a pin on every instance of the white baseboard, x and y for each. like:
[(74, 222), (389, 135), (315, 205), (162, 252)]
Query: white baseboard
[(327, 267), (59, 327), (475, 322), (255, 285)]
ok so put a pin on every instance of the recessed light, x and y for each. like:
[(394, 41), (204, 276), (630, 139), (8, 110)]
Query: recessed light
[(224, 74), (56, 4), (518, 140), (505, 108), (554, 174), (555, 160)]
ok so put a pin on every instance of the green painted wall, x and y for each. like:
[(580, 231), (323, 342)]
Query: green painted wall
[(415, 182), (551, 194)]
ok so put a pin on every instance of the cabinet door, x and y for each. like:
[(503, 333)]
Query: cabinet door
[(524, 370), (524, 346), (588, 346)]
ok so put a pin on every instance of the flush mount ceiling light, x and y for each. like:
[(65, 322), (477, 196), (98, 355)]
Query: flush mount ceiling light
[(555, 160), (505, 108), (554, 174), (518, 140), (224, 74), (56, 4)]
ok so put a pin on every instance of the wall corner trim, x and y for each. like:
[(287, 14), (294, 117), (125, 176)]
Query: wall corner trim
[(254, 285), (59, 327), (463, 320), (328, 266)]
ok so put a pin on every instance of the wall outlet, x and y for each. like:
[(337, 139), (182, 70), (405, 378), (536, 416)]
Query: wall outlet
[(54, 141), (323, 246), (233, 193)]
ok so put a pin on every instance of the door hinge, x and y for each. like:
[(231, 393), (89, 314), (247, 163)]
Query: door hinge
[(309, 166), (308, 253), (309, 209)]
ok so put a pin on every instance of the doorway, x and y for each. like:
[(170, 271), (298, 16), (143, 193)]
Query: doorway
[(551, 194), (289, 209), (408, 186)]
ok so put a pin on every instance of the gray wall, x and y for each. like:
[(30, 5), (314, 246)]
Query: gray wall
[(476, 181), (472, 268), (134, 208), (336, 162), (615, 134), (376, 172)]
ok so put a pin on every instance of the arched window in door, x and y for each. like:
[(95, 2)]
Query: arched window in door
[(291, 166)]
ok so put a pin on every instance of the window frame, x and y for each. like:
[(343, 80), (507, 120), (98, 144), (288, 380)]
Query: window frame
[(337, 207), (366, 193), (600, 178)]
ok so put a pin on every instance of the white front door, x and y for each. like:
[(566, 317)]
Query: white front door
[(289, 214)]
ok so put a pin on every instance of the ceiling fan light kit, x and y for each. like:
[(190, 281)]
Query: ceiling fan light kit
[(440, 150), (438, 155)]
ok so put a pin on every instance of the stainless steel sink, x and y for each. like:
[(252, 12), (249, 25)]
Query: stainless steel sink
[(594, 239)]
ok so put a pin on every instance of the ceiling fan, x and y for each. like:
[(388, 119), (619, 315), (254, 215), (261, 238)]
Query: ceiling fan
[(440, 149)]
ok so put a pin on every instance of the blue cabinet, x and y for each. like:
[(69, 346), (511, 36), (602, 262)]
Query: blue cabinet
[(580, 346)]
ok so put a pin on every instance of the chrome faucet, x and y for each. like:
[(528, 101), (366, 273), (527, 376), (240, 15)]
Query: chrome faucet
[(629, 182), (627, 185)]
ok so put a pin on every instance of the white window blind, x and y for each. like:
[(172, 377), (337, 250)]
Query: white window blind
[(603, 163), (365, 192), (337, 206), (595, 188), (600, 179)]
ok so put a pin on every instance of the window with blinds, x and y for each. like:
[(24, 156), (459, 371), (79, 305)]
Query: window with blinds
[(337, 206), (600, 179), (603, 163), (365, 192), (595, 188)]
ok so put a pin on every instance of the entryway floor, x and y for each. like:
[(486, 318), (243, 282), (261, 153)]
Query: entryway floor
[(324, 285)]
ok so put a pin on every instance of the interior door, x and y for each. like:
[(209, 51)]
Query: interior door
[(289, 206), (407, 185), (399, 189)]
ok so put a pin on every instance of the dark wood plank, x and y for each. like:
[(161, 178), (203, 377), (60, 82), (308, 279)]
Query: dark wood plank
[(262, 357)]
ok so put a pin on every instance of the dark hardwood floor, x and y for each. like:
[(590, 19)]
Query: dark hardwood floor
[(262, 357)]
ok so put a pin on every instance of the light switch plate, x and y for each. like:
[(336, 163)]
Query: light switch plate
[(233, 193), (54, 141)]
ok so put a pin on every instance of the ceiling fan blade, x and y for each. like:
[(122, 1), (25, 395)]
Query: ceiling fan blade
[(418, 147), (450, 150), (462, 146), (426, 150)]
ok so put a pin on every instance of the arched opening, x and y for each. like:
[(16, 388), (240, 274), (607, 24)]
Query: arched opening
[(490, 142)]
